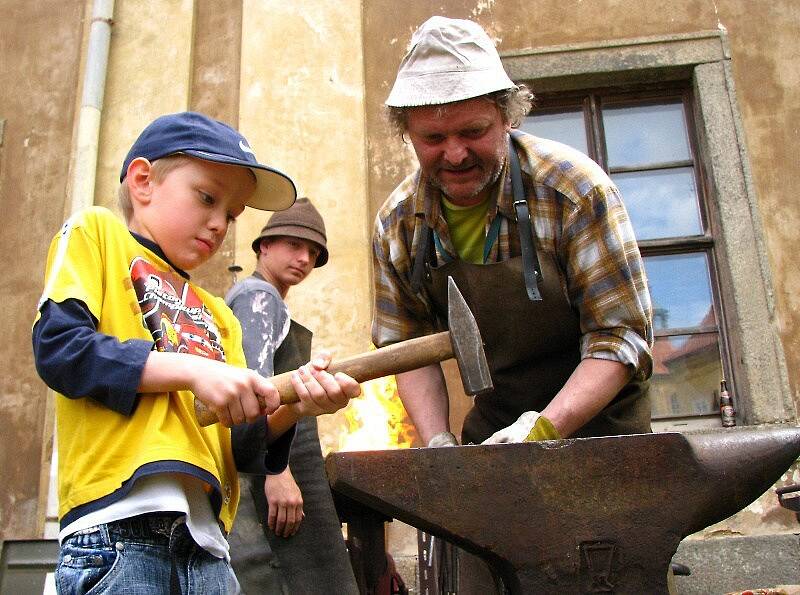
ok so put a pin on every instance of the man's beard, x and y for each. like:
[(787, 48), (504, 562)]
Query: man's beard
[(485, 182)]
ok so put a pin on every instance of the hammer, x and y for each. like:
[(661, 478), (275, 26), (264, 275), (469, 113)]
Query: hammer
[(462, 341)]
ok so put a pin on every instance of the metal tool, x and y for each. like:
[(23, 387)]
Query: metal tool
[(462, 341), (587, 515), (789, 498)]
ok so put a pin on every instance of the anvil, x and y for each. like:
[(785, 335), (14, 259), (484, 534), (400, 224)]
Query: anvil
[(586, 515)]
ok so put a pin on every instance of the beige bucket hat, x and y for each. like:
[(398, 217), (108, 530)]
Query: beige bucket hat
[(449, 60)]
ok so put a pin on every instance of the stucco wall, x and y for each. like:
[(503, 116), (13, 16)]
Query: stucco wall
[(40, 49), (767, 80), (302, 109), (302, 106), (148, 75)]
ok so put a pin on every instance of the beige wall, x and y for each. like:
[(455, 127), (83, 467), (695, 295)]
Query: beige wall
[(767, 82), (302, 107), (148, 75), (302, 111), (40, 49)]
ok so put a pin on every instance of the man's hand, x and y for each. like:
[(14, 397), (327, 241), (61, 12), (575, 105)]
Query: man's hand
[(320, 392), (284, 503), (531, 426)]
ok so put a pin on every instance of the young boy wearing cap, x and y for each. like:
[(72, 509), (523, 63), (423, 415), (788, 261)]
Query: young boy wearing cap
[(287, 538), (129, 342)]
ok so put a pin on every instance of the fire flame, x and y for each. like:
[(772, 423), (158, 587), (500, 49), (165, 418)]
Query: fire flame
[(377, 419)]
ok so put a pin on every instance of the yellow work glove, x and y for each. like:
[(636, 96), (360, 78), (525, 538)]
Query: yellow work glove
[(530, 426), (543, 429)]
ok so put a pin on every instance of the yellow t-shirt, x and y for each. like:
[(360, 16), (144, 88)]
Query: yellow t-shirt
[(467, 227), (135, 294)]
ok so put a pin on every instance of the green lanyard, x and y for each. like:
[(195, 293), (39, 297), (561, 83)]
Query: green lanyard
[(491, 237)]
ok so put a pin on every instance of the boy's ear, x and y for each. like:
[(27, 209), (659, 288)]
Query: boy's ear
[(139, 180)]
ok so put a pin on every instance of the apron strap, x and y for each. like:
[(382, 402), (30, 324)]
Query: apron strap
[(530, 261), (420, 257)]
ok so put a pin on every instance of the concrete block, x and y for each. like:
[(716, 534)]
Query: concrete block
[(731, 564)]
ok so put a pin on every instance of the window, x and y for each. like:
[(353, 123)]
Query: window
[(642, 138), (660, 116)]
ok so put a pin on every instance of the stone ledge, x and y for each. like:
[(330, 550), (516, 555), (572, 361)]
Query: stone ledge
[(719, 565), (735, 563)]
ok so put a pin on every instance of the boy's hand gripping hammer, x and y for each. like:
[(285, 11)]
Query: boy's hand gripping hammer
[(462, 341)]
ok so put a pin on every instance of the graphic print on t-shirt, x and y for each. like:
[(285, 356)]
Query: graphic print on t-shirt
[(173, 313)]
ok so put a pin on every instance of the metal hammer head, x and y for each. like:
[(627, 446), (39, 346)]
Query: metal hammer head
[(467, 343)]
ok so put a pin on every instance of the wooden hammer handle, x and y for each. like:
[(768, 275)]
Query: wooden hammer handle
[(393, 359)]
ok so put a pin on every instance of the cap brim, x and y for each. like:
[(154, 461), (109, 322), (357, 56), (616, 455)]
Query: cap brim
[(275, 191)]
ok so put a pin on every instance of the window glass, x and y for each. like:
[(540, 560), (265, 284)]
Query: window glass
[(643, 142), (564, 126), (680, 289), (661, 203), (686, 375), (645, 134)]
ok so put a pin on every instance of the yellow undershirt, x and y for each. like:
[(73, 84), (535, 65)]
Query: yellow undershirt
[(467, 229)]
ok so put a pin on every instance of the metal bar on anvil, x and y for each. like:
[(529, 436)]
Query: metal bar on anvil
[(580, 516)]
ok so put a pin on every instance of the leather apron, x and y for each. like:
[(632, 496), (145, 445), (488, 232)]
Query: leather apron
[(314, 559), (532, 347)]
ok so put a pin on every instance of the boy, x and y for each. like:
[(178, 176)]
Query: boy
[(287, 538), (145, 493)]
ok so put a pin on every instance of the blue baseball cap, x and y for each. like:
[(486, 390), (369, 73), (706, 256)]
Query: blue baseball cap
[(199, 136)]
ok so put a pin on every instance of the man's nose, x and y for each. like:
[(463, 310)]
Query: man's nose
[(305, 254), (455, 151)]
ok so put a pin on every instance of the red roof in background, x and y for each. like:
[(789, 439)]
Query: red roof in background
[(664, 352)]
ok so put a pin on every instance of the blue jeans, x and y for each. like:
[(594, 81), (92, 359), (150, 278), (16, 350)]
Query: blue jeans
[(151, 554)]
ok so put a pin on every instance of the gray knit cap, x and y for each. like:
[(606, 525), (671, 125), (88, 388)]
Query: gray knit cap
[(301, 220)]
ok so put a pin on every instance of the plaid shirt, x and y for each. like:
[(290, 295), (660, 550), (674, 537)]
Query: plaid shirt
[(578, 217)]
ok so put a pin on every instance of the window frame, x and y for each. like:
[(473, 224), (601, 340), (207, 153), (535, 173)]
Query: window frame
[(739, 266), (592, 102)]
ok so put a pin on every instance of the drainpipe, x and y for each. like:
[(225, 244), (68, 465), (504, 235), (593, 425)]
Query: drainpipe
[(85, 167), (83, 177)]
